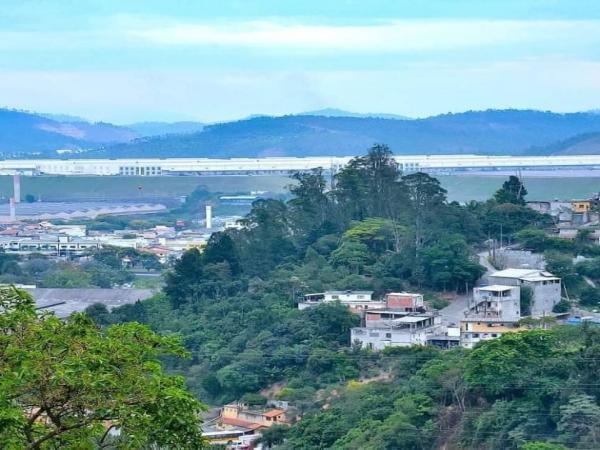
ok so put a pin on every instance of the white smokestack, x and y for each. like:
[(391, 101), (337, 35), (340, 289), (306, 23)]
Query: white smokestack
[(13, 212), (208, 217), (17, 187)]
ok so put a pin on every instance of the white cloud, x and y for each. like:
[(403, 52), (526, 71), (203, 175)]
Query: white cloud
[(390, 36), (418, 89)]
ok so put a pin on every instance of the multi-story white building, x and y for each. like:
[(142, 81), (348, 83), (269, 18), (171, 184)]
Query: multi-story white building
[(496, 302), (545, 287)]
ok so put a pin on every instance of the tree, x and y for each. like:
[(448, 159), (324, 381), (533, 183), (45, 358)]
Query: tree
[(426, 197), (182, 283), (562, 266), (580, 421), (365, 187), (67, 384), (525, 300), (512, 191), (220, 248), (310, 203), (352, 254)]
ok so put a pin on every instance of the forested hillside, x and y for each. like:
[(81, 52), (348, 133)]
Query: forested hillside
[(234, 306), (507, 132), (23, 133)]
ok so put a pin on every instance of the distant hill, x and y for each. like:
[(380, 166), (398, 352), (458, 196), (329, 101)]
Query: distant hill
[(581, 144), (334, 112), (146, 129), (25, 133), (510, 132)]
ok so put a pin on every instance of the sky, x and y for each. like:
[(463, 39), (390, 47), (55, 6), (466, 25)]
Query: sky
[(126, 61)]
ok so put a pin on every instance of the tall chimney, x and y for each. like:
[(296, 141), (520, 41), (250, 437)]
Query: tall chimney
[(208, 216), (13, 212), (17, 187)]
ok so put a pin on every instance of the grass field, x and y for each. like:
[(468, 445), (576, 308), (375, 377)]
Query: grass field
[(60, 188), (460, 187)]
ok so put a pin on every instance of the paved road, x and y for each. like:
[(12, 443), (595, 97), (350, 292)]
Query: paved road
[(454, 312)]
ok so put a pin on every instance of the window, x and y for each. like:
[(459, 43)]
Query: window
[(388, 335), (494, 334), (475, 335)]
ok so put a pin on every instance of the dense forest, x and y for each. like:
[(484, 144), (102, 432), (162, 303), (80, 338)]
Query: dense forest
[(374, 228)]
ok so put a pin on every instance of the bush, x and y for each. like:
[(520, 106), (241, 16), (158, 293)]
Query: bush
[(562, 307)]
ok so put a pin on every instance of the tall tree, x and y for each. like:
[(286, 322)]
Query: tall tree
[(70, 384), (426, 197), (366, 186), (310, 205), (512, 191)]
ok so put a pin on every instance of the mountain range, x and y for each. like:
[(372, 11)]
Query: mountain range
[(323, 132)]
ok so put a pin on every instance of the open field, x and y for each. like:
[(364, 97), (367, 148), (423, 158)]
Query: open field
[(80, 188), (74, 188), (481, 187)]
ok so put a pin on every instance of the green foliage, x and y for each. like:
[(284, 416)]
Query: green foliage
[(590, 296), (63, 383), (512, 191), (235, 306), (526, 299)]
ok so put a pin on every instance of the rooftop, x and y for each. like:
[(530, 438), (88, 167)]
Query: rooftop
[(495, 288), (522, 274)]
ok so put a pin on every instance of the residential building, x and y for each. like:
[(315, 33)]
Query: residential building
[(404, 331), (357, 301), (404, 301), (263, 417), (238, 426), (496, 302), (545, 287), (474, 330)]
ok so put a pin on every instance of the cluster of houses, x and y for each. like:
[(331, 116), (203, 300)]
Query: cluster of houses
[(239, 426), (570, 216), (71, 240), (403, 319)]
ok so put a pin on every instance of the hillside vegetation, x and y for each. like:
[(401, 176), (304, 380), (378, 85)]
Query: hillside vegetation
[(234, 306)]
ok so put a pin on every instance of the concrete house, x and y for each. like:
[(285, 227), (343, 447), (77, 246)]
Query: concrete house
[(405, 331), (357, 301), (474, 330), (493, 311), (545, 287)]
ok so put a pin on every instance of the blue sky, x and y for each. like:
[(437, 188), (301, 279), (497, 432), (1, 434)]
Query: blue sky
[(133, 60)]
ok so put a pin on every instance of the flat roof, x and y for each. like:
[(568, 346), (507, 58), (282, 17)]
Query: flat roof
[(529, 274), (515, 273), (496, 288)]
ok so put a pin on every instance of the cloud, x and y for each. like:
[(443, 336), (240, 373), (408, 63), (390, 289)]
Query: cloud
[(388, 36), (418, 89)]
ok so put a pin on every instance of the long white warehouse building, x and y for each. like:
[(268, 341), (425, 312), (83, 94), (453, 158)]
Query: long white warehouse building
[(280, 165)]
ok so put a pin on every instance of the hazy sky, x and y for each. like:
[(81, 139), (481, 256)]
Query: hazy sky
[(132, 60)]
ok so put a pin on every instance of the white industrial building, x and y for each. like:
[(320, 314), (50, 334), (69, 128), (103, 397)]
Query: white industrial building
[(280, 165)]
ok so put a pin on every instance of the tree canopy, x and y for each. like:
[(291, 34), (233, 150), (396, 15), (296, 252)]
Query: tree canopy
[(70, 384)]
